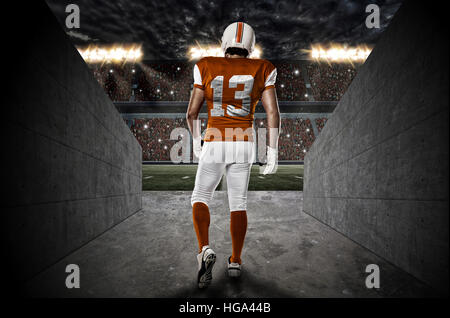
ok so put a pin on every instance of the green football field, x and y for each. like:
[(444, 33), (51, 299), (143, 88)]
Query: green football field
[(182, 177)]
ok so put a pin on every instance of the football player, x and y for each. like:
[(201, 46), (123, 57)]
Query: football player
[(232, 86)]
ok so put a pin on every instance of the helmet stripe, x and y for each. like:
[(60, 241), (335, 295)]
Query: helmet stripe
[(239, 32)]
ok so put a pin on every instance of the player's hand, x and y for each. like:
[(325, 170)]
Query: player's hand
[(272, 160), (197, 145)]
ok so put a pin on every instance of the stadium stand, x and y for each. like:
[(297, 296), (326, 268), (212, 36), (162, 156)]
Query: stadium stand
[(320, 123), (290, 83), (166, 81), (329, 82), (153, 134), (116, 80), (172, 80)]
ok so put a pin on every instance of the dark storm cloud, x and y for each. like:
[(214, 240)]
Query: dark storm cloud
[(167, 28)]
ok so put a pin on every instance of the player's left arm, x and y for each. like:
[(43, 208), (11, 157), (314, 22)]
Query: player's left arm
[(270, 103), (195, 103)]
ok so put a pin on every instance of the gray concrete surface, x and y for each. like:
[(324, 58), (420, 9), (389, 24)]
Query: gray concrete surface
[(378, 172), (73, 168), (287, 253)]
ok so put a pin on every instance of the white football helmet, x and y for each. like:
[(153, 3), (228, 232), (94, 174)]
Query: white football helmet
[(238, 34)]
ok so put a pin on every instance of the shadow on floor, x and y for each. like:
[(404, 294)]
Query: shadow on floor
[(223, 286)]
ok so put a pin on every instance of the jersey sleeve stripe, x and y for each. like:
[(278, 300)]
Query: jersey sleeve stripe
[(197, 77), (271, 79)]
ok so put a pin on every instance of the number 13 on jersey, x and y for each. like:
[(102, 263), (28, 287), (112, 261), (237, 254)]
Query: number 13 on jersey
[(244, 95)]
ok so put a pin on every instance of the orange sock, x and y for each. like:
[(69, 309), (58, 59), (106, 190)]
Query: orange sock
[(200, 215), (238, 228)]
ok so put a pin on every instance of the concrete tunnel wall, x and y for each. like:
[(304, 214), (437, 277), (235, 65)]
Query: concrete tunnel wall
[(73, 166), (378, 172)]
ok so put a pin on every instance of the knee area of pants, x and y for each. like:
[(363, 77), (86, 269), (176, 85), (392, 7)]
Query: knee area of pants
[(238, 207), (201, 196), (199, 201)]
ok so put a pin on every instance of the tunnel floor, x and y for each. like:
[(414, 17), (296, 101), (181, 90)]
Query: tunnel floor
[(287, 253)]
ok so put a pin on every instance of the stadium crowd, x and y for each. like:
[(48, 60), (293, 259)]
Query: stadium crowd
[(153, 134), (172, 81), (320, 123), (329, 82), (290, 84), (164, 81), (115, 79)]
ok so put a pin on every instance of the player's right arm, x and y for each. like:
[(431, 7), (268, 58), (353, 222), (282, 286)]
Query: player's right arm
[(270, 104), (195, 103)]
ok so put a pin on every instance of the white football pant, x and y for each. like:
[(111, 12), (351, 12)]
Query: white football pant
[(234, 158)]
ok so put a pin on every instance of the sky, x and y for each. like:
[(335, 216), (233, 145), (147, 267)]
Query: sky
[(168, 28)]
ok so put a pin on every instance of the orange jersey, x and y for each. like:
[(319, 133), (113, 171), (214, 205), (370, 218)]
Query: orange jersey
[(233, 87)]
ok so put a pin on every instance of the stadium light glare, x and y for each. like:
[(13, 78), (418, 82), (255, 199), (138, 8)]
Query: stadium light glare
[(198, 51), (338, 53), (111, 54)]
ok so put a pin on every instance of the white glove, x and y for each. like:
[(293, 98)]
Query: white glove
[(272, 160), (197, 145)]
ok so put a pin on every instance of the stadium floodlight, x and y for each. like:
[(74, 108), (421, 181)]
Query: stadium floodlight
[(198, 51), (111, 54), (338, 53)]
